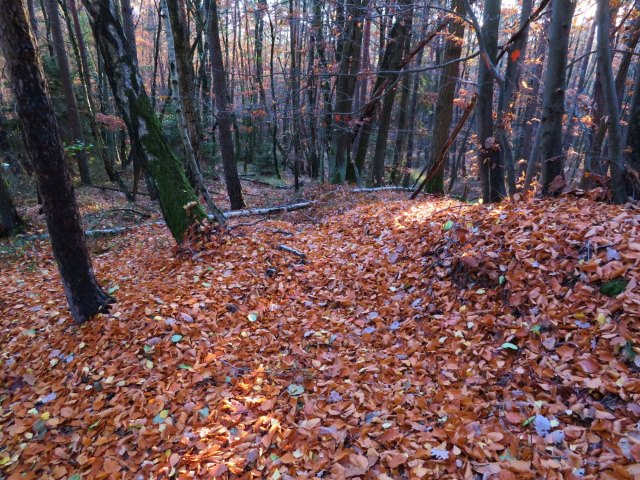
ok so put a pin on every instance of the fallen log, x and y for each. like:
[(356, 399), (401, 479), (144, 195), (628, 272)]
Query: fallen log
[(284, 248), (266, 211), (105, 232), (381, 189)]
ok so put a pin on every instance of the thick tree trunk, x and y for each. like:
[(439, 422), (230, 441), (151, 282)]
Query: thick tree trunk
[(185, 77), (380, 152), (178, 201), (295, 94), (350, 47), (84, 295), (612, 108), (490, 166), (234, 189), (383, 88), (178, 100), (555, 86), (633, 140), (73, 113), (443, 114)]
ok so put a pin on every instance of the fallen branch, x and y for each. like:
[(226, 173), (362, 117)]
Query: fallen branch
[(237, 213), (268, 210), (381, 189), (292, 250)]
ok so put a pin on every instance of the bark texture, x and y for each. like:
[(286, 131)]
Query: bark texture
[(490, 166), (178, 201), (84, 295), (234, 189), (553, 108)]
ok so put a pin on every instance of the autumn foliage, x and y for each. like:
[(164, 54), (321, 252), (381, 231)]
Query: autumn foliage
[(433, 339)]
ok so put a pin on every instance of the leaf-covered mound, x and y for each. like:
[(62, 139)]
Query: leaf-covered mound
[(414, 340)]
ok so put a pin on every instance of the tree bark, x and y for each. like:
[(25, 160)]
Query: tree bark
[(633, 141), (443, 114), (490, 166), (517, 54), (185, 77), (618, 188), (345, 85), (84, 295), (555, 85), (234, 189), (295, 94), (73, 113), (393, 54), (183, 128), (178, 201)]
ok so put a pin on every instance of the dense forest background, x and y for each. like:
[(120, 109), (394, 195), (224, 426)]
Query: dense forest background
[(489, 96)]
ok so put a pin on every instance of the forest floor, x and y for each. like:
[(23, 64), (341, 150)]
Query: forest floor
[(427, 339)]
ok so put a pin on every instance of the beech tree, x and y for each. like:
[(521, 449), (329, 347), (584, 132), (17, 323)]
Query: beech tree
[(179, 203), (611, 103), (553, 108), (489, 159), (234, 189), (84, 295)]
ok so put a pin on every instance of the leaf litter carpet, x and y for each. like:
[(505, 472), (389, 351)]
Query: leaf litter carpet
[(414, 340)]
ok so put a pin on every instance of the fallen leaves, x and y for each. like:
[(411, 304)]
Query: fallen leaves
[(431, 339)]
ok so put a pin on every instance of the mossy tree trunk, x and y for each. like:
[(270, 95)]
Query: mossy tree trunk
[(178, 200)]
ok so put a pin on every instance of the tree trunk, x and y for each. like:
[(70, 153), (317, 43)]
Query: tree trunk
[(380, 152), (178, 100), (73, 113), (633, 140), (402, 135), (185, 77), (443, 114), (407, 162), (618, 188), (178, 201), (9, 218), (515, 62), (533, 102), (126, 11), (295, 94), (490, 166), (345, 88), (555, 85), (383, 88), (234, 189), (84, 295)]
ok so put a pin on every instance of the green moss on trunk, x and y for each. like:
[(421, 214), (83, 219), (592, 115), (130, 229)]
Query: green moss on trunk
[(178, 200)]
